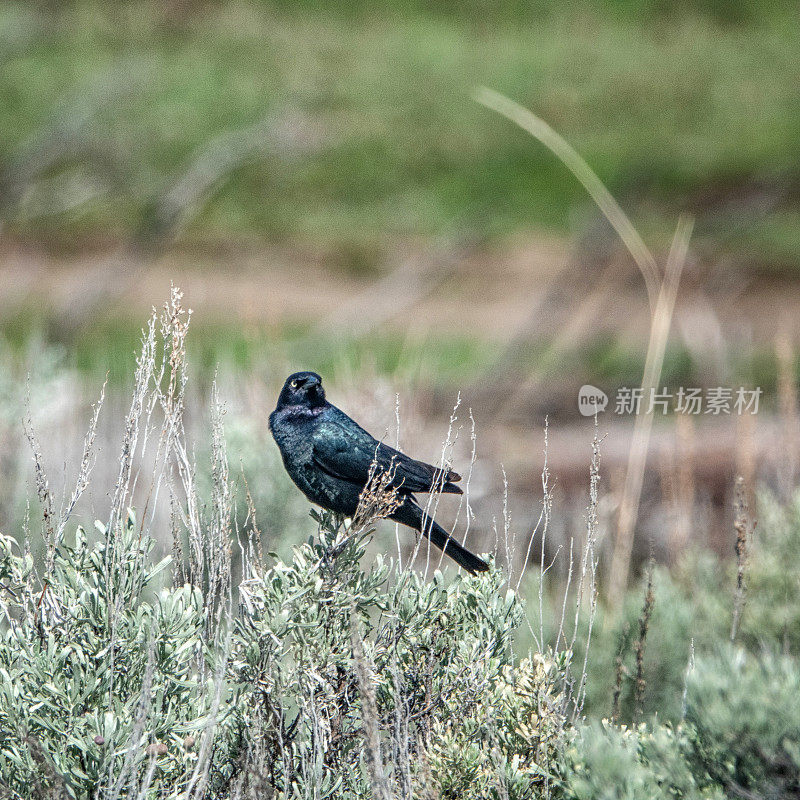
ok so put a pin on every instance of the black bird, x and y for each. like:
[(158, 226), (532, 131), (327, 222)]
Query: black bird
[(329, 456)]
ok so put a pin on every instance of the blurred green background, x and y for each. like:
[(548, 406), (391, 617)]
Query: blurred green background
[(677, 105)]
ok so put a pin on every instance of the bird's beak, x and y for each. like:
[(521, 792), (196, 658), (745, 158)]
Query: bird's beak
[(310, 383)]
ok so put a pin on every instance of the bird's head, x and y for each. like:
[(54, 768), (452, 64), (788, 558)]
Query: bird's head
[(302, 389)]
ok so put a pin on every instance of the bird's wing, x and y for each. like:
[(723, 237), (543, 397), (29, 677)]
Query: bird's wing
[(347, 452)]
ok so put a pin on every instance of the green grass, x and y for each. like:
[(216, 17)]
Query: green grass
[(663, 105)]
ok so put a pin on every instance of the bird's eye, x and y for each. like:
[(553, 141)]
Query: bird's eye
[(294, 384)]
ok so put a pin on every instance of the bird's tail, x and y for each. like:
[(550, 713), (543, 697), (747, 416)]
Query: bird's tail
[(412, 515)]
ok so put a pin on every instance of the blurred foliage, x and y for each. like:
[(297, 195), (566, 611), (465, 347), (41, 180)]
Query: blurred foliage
[(439, 361), (743, 711), (372, 132), (692, 619), (722, 718), (606, 762)]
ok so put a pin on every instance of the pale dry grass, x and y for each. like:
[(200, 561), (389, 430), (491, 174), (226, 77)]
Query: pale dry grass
[(662, 289)]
